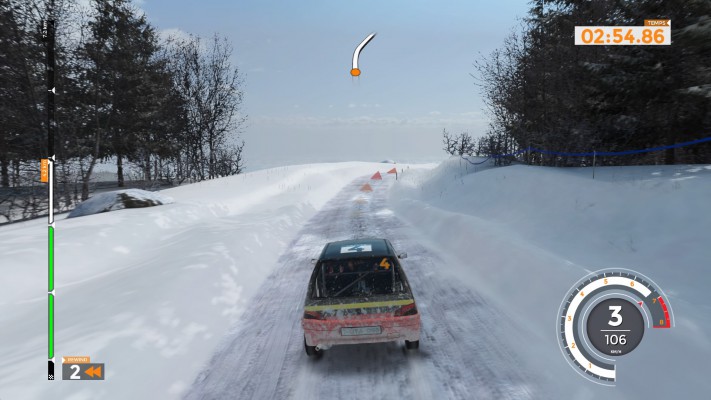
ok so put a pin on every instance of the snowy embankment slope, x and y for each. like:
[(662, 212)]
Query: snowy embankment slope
[(524, 235), (150, 291)]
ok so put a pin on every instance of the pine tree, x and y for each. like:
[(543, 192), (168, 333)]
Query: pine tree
[(127, 86), (22, 94)]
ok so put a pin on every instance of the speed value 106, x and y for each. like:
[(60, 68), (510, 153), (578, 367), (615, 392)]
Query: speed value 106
[(615, 326)]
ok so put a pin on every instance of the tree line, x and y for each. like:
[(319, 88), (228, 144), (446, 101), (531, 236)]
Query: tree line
[(160, 109), (543, 91)]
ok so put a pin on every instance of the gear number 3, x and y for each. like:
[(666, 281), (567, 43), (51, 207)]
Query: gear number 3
[(616, 316)]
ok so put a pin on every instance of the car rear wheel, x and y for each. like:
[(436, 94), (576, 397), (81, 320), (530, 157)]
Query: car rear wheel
[(311, 350), (415, 344)]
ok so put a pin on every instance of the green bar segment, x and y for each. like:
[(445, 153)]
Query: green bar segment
[(51, 326), (51, 259)]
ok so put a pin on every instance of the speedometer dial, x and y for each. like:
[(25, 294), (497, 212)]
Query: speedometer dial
[(605, 315)]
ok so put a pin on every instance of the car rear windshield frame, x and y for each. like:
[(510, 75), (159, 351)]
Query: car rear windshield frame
[(362, 268)]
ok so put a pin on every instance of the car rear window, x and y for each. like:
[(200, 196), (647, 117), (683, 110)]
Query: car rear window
[(357, 277)]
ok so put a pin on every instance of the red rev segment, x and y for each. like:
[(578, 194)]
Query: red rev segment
[(377, 176), (666, 323)]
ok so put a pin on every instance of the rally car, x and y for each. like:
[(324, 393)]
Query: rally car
[(358, 293)]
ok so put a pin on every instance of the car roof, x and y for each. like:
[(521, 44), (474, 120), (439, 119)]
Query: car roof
[(368, 247)]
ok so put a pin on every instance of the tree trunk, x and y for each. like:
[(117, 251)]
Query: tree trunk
[(147, 174), (85, 179), (4, 173), (119, 170), (669, 157), (16, 173)]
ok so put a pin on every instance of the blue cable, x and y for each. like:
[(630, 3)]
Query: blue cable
[(593, 153)]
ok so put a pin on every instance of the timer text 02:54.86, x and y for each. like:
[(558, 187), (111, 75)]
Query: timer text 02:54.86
[(626, 35)]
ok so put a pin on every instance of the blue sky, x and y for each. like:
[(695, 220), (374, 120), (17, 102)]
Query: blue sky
[(303, 105)]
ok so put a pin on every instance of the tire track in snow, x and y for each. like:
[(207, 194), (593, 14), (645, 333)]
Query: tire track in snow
[(461, 354)]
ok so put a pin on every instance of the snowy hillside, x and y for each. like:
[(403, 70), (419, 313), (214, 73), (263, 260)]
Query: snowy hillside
[(524, 235), (201, 297)]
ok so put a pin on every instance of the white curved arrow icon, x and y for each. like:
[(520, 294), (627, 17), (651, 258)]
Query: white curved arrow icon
[(355, 71)]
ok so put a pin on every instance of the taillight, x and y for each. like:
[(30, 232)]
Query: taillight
[(313, 315), (407, 309)]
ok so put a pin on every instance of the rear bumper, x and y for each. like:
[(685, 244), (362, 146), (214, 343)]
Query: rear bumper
[(326, 333)]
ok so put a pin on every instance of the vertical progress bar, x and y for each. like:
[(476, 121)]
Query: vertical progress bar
[(47, 32)]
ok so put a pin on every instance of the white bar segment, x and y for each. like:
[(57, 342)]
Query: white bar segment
[(50, 183)]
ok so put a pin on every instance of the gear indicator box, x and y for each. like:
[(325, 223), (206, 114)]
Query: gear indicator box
[(82, 369)]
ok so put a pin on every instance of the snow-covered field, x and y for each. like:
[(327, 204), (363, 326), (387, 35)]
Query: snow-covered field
[(523, 235), (155, 292), (150, 291)]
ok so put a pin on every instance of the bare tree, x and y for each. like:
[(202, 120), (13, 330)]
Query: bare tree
[(462, 144), (212, 97)]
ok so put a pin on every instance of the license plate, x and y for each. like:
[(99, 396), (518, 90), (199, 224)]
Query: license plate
[(361, 330)]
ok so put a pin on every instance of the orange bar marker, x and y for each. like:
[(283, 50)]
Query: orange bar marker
[(76, 360), (44, 170)]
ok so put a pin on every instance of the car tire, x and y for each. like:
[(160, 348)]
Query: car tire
[(415, 344), (311, 350)]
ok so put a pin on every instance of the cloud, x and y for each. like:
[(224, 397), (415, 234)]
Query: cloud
[(472, 114), (429, 120), (176, 33), (364, 105)]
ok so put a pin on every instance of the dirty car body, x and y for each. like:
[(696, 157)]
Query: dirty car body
[(358, 293)]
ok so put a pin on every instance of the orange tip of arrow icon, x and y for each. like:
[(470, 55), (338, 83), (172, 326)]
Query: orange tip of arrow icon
[(355, 72)]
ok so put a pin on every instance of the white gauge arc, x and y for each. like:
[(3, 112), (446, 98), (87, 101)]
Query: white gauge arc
[(359, 48), (575, 309)]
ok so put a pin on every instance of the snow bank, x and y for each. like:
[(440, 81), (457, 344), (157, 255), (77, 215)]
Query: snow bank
[(524, 235), (118, 200), (150, 292)]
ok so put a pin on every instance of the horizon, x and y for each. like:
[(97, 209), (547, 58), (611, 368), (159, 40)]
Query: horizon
[(301, 102)]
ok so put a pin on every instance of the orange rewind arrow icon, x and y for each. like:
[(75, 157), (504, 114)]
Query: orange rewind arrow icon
[(93, 370)]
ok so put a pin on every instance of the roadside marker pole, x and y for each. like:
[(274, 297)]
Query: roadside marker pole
[(393, 171)]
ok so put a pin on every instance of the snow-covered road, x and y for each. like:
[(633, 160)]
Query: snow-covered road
[(461, 356)]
